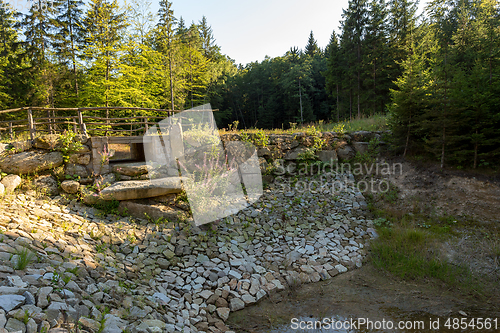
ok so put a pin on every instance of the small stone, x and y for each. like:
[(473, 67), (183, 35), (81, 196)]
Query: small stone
[(43, 293), (236, 304), (248, 299), (90, 324), (223, 313), (14, 325), (70, 186), (341, 268)]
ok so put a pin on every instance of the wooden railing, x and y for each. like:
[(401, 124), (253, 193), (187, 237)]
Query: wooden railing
[(90, 120)]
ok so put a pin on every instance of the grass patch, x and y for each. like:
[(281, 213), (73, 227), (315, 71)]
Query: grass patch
[(24, 258), (373, 123), (411, 254), (409, 245)]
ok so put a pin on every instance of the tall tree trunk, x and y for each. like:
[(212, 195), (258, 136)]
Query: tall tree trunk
[(73, 56), (171, 79), (338, 109)]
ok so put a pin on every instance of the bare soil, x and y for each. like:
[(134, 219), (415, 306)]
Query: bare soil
[(472, 200)]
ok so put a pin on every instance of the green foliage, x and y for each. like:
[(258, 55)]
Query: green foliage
[(69, 144), (24, 257), (405, 253)]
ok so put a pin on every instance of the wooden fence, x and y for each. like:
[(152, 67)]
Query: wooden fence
[(91, 120)]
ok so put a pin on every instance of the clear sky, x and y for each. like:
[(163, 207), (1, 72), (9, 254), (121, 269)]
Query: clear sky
[(249, 30)]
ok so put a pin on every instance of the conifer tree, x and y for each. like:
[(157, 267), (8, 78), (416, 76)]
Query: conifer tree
[(312, 49), (105, 26), (67, 44)]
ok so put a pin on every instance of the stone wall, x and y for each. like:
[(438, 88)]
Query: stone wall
[(289, 147), (44, 155)]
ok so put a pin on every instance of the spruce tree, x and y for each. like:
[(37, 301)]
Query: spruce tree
[(67, 44), (312, 49), (105, 25)]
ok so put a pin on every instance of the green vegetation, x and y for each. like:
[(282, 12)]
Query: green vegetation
[(435, 78), (24, 257), (410, 242)]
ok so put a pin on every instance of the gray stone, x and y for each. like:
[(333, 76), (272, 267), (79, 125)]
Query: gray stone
[(31, 326), (4, 290), (89, 324), (11, 302), (132, 169), (83, 159), (30, 162), (148, 323), (70, 186), (43, 293), (14, 325), (76, 170), (138, 189), (360, 147), (328, 156), (236, 304), (29, 298), (248, 299), (295, 153), (161, 298), (345, 153), (47, 185), (114, 324)]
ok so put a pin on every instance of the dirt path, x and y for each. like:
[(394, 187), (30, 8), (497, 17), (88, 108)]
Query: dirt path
[(362, 293)]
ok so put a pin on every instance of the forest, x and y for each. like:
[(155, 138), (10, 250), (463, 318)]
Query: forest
[(436, 74)]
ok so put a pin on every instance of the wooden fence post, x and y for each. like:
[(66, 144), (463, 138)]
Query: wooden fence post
[(146, 127), (31, 125), (10, 131), (49, 122)]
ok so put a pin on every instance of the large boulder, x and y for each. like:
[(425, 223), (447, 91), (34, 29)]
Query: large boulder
[(47, 184), (328, 156), (139, 189), (76, 170), (30, 162), (11, 182), (151, 210), (295, 153), (360, 147), (345, 153)]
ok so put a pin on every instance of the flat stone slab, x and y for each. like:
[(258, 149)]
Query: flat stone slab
[(140, 189), (131, 169)]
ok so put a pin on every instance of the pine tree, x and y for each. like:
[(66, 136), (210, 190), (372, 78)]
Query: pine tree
[(105, 26), (312, 48), (353, 31), (334, 72), (38, 27), (165, 39), (376, 57), (211, 50), (9, 54), (67, 43)]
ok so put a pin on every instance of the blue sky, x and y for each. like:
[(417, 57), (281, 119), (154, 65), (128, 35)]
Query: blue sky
[(249, 30)]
